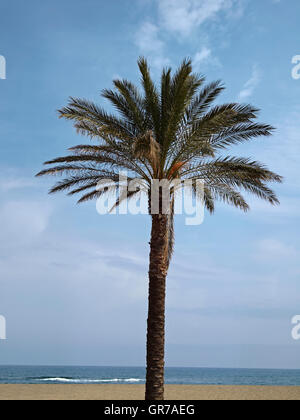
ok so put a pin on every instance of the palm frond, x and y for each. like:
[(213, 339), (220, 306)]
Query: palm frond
[(126, 106), (240, 133), (227, 194), (183, 87), (173, 132), (202, 101), (91, 119), (151, 99)]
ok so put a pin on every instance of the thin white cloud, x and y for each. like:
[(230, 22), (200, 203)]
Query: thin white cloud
[(8, 184), (203, 57), (149, 43), (23, 220), (251, 84), (24, 215), (289, 207), (275, 250), (12, 179), (183, 16), (147, 38)]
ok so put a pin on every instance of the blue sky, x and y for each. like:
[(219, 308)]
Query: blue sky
[(73, 284)]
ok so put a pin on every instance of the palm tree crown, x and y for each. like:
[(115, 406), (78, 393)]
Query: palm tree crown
[(168, 133)]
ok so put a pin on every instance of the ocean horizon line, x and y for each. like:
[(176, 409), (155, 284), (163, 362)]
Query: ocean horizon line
[(142, 366)]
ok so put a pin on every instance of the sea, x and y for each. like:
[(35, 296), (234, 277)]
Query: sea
[(136, 375)]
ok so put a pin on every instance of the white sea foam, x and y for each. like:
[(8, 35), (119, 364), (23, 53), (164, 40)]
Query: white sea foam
[(132, 380), (90, 380), (58, 380)]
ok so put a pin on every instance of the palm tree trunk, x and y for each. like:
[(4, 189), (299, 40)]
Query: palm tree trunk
[(156, 309)]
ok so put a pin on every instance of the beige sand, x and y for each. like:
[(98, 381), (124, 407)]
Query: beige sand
[(136, 392)]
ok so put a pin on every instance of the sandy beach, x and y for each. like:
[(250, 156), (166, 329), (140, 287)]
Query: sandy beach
[(136, 392)]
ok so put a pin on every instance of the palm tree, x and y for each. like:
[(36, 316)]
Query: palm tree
[(167, 132)]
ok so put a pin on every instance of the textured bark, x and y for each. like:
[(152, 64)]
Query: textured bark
[(156, 309)]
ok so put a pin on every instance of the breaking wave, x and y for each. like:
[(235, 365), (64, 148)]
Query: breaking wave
[(83, 381)]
